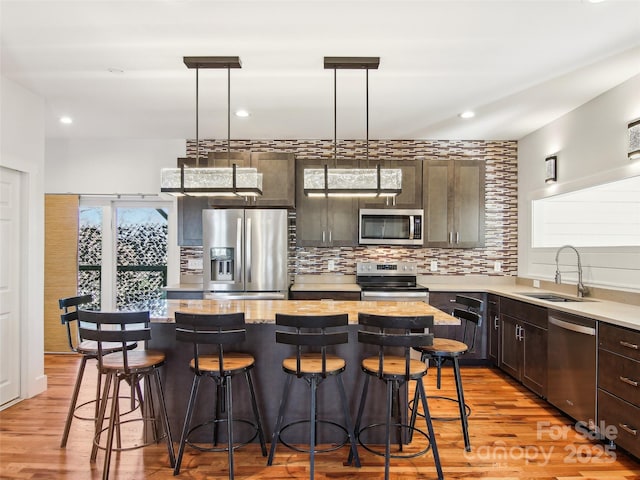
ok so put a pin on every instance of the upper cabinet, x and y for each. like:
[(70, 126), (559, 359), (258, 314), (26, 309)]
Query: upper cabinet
[(278, 177), (324, 222), (411, 196), (278, 189), (454, 203)]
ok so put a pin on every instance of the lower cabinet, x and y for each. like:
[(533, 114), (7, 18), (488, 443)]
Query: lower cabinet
[(184, 295), (493, 329), (619, 386), (446, 301), (523, 345), (323, 295)]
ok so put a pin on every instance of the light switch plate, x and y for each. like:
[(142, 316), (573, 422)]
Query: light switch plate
[(434, 265), (331, 265), (194, 264)]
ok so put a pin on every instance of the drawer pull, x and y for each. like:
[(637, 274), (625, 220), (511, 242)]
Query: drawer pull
[(628, 381), (629, 345), (628, 429)]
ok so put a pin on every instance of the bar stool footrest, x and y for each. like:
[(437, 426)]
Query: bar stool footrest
[(395, 455), (467, 409), (236, 444), (133, 447), (317, 450), (93, 419)]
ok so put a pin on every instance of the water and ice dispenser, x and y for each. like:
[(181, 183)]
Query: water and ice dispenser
[(222, 264)]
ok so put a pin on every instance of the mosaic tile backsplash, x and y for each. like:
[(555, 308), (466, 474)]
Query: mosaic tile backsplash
[(501, 207)]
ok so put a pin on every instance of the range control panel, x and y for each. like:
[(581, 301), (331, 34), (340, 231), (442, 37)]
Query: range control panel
[(392, 268)]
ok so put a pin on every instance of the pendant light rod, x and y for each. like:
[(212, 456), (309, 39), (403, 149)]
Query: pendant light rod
[(197, 119), (229, 116), (335, 117), (367, 116)]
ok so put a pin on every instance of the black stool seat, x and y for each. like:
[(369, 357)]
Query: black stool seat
[(217, 331), (313, 332)]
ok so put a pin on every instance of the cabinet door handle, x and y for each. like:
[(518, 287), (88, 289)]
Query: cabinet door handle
[(323, 236), (457, 237), (495, 322), (634, 346), (628, 381), (329, 236), (450, 237), (628, 429)]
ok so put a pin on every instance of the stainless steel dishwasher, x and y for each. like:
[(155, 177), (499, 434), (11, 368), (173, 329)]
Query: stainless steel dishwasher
[(572, 362)]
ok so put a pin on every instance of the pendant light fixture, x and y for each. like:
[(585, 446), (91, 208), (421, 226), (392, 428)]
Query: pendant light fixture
[(210, 181), (352, 182)]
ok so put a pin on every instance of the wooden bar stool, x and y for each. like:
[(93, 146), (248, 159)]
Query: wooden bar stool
[(132, 367), (89, 351), (396, 369), (443, 349), (314, 367), (219, 330)]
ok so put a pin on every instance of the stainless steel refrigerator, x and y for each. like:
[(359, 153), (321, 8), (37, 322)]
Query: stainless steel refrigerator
[(245, 253)]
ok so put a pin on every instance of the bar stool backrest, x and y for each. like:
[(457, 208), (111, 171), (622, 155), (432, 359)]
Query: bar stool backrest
[(69, 317), (114, 327), (311, 331), (394, 331), (471, 315), (210, 329)]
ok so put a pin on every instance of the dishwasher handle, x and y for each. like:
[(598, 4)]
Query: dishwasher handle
[(574, 327)]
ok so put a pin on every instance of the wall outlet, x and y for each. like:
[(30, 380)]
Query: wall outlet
[(194, 264), (331, 265), (497, 266), (536, 283), (434, 265)]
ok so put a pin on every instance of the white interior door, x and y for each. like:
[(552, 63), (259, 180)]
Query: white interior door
[(9, 285)]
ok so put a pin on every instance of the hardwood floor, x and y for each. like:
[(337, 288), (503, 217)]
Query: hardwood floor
[(514, 435)]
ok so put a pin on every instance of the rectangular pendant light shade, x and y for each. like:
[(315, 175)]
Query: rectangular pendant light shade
[(634, 140), (240, 182), (352, 182)]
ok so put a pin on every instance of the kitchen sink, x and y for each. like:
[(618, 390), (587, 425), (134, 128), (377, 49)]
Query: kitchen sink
[(551, 297)]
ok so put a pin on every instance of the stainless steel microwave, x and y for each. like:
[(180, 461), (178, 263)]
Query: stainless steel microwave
[(390, 226)]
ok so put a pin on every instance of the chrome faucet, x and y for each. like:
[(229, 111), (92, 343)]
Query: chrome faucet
[(582, 289)]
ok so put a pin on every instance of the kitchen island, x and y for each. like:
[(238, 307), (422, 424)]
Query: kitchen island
[(268, 375)]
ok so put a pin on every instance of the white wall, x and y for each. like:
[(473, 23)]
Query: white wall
[(22, 149), (591, 143), (108, 166)]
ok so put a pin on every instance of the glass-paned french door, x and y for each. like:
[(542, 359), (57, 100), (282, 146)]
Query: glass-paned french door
[(122, 250)]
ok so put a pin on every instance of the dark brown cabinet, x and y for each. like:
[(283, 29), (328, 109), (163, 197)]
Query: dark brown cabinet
[(619, 386), (278, 178), (493, 328), (190, 220), (324, 295), (454, 203), (411, 196), (324, 222), (446, 301), (523, 346)]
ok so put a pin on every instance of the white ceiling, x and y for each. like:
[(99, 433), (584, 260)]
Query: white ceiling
[(519, 64)]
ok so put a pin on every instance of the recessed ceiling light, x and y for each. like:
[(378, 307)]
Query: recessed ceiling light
[(242, 113), (115, 71), (467, 114), (66, 120)]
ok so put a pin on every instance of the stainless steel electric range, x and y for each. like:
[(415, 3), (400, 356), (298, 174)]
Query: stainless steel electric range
[(393, 281)]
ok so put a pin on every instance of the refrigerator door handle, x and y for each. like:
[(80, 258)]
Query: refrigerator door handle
[(239, 250), (248, 252)]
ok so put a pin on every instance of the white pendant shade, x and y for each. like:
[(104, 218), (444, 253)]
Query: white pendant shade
[(245, 182)]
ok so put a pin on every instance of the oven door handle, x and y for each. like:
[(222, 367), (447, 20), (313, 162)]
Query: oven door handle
[(399, 293)]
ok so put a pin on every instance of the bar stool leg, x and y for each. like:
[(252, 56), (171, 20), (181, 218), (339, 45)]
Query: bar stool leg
[(432, 435), (100, 420), (363, 400), (276, 431), (229, 399), (387, 433), (347, 420), (312, 421), (165, 418), (461, 404), (110, 432), (187, 422), (256, 414), (74, 401)]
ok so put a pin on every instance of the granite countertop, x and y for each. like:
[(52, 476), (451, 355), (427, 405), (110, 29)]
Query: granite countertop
[(264, 311)]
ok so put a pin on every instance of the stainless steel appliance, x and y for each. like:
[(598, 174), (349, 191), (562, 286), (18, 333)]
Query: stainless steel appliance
[(245, 253), (390, 226), (571, 374), (395, 281)]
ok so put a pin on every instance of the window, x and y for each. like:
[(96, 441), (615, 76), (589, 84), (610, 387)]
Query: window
[(606, 215)]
